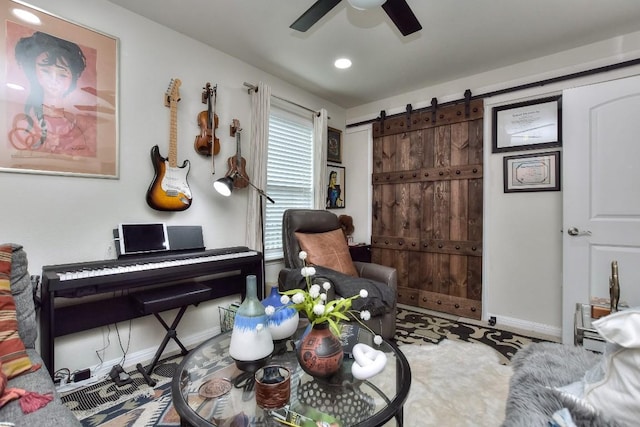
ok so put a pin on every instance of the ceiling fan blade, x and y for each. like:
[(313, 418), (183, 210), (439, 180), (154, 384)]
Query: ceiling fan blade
[(313, 14), (402, 15)]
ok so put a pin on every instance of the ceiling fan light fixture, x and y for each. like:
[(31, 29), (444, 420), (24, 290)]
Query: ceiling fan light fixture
[(366, 4), (342, 63)]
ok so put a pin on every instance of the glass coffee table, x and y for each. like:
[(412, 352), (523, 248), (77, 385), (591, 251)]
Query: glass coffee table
[(209, 390)]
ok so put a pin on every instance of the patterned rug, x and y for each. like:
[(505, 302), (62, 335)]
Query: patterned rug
[(138, 405)]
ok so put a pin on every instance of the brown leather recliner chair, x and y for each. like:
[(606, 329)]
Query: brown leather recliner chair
[(320, 221)]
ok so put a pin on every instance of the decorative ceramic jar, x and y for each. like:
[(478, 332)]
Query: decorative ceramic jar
[(284, 320), (320, 352), (251, 343)]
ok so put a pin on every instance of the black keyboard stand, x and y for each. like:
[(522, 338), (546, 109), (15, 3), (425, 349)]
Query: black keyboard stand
[(155, 301)]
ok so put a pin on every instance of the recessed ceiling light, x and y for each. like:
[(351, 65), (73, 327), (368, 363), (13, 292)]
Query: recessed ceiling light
[(26, 16), (342, 63)]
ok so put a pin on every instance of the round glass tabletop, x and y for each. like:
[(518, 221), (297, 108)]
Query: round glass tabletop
[(209, 390)]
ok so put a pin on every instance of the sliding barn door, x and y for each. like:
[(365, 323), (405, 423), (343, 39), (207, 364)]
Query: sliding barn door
[(427, 206)]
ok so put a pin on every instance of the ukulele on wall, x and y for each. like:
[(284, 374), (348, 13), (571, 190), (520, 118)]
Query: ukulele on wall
[(237, 163), (169, 190)]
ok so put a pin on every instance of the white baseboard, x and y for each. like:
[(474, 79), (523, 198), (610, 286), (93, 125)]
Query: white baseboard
[(526, 327), (100, 372)]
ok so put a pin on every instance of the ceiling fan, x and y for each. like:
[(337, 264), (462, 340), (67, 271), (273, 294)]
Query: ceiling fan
[(398, 10)]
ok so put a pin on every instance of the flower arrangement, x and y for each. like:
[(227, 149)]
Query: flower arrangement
[(313, 303)]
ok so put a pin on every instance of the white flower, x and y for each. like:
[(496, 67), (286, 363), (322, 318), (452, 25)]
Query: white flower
[(326, 286), (318, 309), (306, 271), (314, 291), (365, 315), (363, 293), (298, 298), (323, 297), (302, 255), (284, 299), (311, 271), (377, 340), (269, 310)]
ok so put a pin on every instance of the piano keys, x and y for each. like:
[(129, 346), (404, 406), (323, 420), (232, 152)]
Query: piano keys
[(117, 281)]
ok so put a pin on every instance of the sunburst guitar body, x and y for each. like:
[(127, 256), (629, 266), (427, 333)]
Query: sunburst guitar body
[(169, 190)]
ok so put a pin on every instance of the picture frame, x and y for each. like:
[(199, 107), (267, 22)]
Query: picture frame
[(532, 172), (334, 145), (69, 129), (527, 125), (335, 196)]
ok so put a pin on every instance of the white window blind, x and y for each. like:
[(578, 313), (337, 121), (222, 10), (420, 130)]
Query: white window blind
[(289, 173)]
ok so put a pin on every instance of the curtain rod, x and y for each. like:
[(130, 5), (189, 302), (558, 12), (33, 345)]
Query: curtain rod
[(576, 75), (255, 88)]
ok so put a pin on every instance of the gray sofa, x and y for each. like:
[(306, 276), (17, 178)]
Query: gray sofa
[(55, 413)]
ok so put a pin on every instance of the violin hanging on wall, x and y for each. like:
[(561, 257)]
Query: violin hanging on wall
[(207, 143)]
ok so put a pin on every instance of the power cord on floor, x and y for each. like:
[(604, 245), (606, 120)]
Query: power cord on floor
[(62, 376)]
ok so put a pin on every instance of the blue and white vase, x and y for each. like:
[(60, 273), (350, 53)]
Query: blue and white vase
[(251, 343), (284, 321)]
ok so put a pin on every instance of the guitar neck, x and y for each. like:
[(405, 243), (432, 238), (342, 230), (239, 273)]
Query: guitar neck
[(173, 135), (238, 145)]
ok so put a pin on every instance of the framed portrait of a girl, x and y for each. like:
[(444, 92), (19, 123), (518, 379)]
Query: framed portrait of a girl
[(336, 187), (60, 99)]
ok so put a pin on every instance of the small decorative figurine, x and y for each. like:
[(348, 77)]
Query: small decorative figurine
[(614, 287)]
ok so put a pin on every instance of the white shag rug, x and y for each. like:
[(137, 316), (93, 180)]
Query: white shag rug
[(455, 384)]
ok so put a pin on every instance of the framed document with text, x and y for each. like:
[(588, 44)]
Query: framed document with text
[(527, 125), (532, 172)]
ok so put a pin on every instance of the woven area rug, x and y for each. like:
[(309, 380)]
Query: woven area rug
[(426, 340)]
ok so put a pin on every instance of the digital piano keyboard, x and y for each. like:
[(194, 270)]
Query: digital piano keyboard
[(117, 281)]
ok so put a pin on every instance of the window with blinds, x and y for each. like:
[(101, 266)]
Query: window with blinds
[(289, 173)]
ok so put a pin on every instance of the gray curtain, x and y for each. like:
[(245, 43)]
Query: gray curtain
[(320, 123), (260, 110)]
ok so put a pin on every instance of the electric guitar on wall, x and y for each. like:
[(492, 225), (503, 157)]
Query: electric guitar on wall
[(169, 190)]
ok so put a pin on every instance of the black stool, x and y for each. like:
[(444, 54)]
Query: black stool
[(155, 301)]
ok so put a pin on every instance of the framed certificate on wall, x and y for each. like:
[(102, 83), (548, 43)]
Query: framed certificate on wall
[(527, 125)]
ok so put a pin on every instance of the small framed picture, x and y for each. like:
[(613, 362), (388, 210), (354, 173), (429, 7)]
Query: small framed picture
[(334, 146), (532, 172), (336, 187), (527, 125)]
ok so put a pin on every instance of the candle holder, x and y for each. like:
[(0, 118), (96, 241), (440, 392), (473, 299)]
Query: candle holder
[(273, 387)]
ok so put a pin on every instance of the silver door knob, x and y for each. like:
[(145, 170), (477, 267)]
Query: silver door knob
[(573, 231)]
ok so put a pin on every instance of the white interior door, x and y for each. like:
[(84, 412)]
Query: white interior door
[(601, 193)]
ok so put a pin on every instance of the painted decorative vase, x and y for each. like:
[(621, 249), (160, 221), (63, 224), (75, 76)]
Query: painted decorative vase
[(319, 352), (251, 343), (284, 321)]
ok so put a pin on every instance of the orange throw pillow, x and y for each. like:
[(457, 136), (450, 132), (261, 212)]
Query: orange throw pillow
[(13, 356), (328, 250)]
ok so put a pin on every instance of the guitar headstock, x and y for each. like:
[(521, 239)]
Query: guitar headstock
[(172, 95), (235, 127)]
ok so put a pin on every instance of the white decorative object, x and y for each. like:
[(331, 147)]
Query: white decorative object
[(366, 4), (368, 361)]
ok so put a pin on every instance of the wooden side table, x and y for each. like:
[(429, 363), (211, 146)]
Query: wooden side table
[(360, 252)]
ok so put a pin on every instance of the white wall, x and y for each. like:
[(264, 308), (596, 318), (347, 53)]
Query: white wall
[(61, 219), (522, 270)]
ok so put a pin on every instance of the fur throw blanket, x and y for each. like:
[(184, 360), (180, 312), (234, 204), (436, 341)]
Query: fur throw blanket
[(537, 369)]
